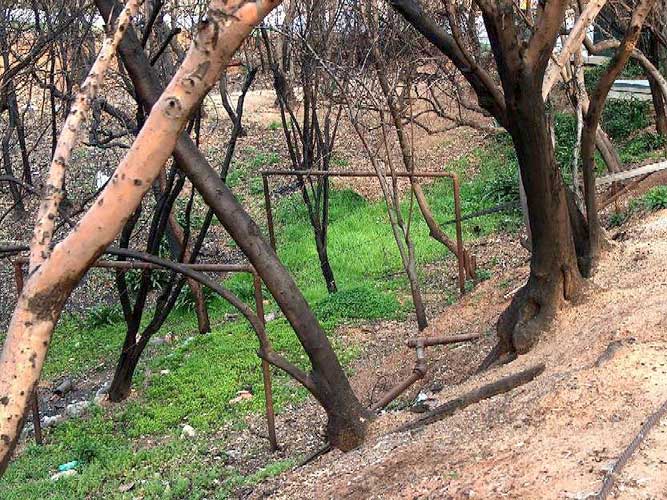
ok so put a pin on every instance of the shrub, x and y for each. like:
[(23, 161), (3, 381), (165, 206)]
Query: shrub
[(642, 146), (103, 315), (655, 198), (621, 117), (565, 126), (503, 185)]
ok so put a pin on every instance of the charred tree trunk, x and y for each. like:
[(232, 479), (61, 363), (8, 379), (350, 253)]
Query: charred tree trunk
[(121, 384)]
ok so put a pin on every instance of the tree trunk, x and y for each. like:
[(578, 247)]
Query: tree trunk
[(659, 105), (348, 418), (121, 384), (554, 273)]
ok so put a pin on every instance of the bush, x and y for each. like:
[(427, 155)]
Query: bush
[(621, 117), (642, 146), (565, 126), (102, 316), (592, 76), (655, 198), (503, 185)]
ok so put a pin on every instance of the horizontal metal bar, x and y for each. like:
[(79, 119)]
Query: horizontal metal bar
[(127, 264), (352, 173)]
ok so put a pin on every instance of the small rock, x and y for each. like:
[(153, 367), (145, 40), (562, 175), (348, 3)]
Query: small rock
[(165, 372), (422, 396), (76, 409), (240, 397), (64, 387), (51, 421), (104, 389), (188, 432), (269, 317), (65, 473), (124, 488), (437, 387), (231, 317), (420, 407)]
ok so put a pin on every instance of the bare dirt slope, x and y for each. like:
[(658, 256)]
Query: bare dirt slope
[(552, 438)]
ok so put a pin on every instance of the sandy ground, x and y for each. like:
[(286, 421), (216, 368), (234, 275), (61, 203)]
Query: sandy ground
[(552, 438)]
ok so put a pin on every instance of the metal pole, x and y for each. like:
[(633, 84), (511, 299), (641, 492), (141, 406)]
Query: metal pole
[(266, 369), (459, 234), (36, 422), (269, 212), (351, 173), (450, 339)]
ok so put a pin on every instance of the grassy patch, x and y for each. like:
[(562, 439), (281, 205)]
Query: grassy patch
[(652, 200)]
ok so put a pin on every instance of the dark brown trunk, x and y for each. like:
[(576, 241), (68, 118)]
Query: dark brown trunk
[(554, 273), (348, 419), (327, 272), (121, 383), (659, 105)]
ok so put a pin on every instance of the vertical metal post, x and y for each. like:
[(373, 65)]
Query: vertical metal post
[(266, 370), (459, 234), (36, 422), (269, 211)]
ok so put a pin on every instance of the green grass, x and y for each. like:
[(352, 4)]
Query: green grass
[(138, 441), (652, 200)]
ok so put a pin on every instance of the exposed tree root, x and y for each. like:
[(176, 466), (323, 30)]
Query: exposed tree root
[(499, 386), (534, 308)]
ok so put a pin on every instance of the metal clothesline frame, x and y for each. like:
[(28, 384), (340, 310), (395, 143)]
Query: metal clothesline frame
[(266, 174)]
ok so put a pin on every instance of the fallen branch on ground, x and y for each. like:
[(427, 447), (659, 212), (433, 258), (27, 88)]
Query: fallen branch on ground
[(500, 386), (610, 477)]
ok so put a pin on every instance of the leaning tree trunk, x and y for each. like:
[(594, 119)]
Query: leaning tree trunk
[(554, 273), (347, 417)]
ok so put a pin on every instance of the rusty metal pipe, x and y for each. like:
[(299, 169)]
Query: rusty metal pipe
[(450, 339), (126, 264), (459, 234), (266, 370), (418, 373)]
